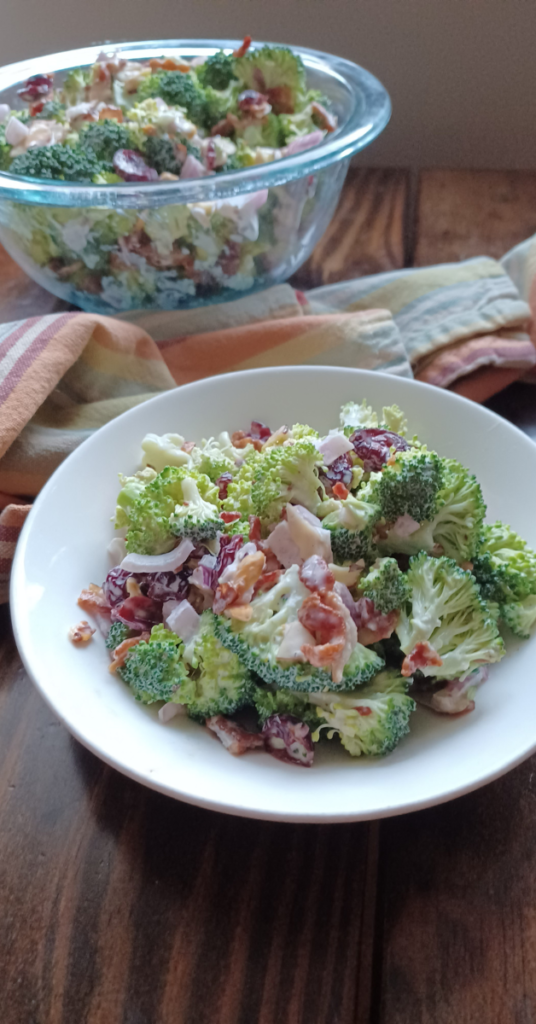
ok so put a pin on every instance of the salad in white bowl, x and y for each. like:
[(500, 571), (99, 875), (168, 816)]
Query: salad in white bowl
[(287, 589)]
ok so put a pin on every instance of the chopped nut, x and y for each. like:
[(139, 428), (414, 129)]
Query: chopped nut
[(82, 633)]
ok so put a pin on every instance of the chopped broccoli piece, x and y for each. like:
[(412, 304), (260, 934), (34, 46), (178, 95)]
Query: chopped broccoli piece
[(385, 585), (300, 430), (267, 132), (104, 138), (394, 419), (239, 497), (354, 415), (285, 473), (217, 682), (369, 721), (293, 126), (275, 67), (410, 486), (65, 163), (446, 610), (149, 531), (75, 86), (217, 71), (5, 150), (154, 669), (178, 89), (117, 632), (520, 616), (212, 459), (131, 489), (351, 523), (284, 702), (194, 518), (161, 154), (505, 566), (257, 641)]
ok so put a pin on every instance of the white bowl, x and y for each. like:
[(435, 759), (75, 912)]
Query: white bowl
[(63, 547)]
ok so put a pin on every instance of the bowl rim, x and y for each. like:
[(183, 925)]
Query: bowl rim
[(364, 123)]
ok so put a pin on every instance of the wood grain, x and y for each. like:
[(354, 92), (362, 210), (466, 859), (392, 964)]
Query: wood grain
[(366, 234), (473, 213), (121, 906)]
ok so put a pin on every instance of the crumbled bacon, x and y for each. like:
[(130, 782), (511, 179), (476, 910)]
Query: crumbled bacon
[(371, 624), (243, 48), (245, 576), (168, 64), (281, 99), (82, 633), (235, 739), (242, 612), (316, 575), (254, 528), (225, 595), (267, 581), (120, 653), (111, 114), (421, 656)]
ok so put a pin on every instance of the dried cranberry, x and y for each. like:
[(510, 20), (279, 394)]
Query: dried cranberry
[(35, 87), (138, 612), (223, 482), (251, 101), (259, 431), (340, 471), (288, 739), (373, 446), (228, 548), (254, 528), (131, 166), (229, 517)]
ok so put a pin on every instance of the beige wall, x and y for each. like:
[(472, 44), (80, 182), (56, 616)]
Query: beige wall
[(461, 73)]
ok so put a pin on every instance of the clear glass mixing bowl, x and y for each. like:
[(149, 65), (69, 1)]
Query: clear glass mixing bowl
[(70, 237)]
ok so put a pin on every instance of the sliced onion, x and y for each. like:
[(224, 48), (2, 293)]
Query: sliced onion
[(168, 562), (169, 710)]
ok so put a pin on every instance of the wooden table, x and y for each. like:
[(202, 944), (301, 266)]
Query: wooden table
[(121, 906)]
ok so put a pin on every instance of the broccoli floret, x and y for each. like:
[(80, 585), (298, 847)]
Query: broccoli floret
[(154, 669), (351, 523), (194, 518), (5, 150), (149, 530), (104, 138), (117, 632), (505, 566), (65, 163), (385, 585), (217, 682), (212, 459), (161, 154), (394, 419), (217, 71), (132, 487), (410, 486), (520, 616), (76, 84), (293, 126), (53, 110), (300, 430), (354, 415), (284, 702), (239, 490), (369, 721), (284, 474), (257, 642), (268, 132), (446, 610), (178, 89), (272, 67)]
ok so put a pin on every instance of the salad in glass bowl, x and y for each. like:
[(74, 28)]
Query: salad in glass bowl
[(284, 588), (164, 175)]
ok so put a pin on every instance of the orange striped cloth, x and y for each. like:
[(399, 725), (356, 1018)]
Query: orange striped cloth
[(65, 375)]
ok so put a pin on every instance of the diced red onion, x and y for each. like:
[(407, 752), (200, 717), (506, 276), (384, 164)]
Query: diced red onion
[(289, 740), (333, 446)]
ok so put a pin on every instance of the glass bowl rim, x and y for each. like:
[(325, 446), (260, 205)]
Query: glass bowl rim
[(359, 129)]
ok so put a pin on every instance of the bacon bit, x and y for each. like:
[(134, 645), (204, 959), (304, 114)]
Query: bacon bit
[(82, 633), (36, 108), (230, 517), (188, 446), (422, 655), (467, 566), (243, 612), (224, 596), (111, 114), (168, 64), (322, 117), (391, 460), (132, 587), (120, 653), (235, 739), (243, 48), (267, 581), (371, 624), (320, 619), (281, 100), (149, 129), (363, 711), (227, 126), (248, 571), (254, 528), (340, 491), (316, 575), (93, 598)]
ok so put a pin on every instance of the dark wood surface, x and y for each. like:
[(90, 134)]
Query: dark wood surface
[(121, 906)]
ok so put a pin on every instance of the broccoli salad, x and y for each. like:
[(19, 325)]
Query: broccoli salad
[(286, 589), (162, 120)]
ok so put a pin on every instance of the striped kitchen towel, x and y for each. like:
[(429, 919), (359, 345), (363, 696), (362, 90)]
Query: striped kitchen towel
[(62, 376)]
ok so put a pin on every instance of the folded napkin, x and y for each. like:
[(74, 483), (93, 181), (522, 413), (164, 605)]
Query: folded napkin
[(62, 376)]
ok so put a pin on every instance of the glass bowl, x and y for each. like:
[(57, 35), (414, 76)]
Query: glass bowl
[(250, 228)]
